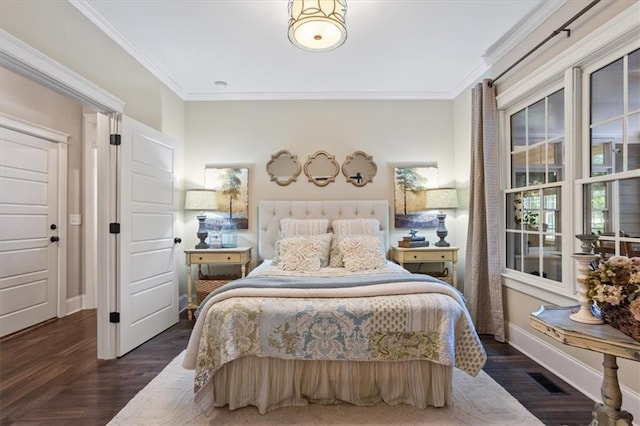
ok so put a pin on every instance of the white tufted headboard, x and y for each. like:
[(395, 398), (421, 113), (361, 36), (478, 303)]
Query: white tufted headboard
[(270, 213)]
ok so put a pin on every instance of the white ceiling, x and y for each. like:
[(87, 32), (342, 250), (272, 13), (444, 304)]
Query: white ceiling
[(395, 49)]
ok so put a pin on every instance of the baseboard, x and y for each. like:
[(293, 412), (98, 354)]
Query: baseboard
[(74, 304), (182, 303), (87, 303), (576, 373)]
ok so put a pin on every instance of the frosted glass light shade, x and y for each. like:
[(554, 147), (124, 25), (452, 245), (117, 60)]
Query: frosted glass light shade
[(441, 199), (317, 24)]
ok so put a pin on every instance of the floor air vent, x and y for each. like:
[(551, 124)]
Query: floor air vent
[(546, 384)]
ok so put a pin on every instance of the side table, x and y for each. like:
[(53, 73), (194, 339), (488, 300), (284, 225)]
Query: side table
[(224, 256)]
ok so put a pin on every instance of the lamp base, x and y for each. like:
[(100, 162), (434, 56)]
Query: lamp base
[(442, 231), (202, 233)]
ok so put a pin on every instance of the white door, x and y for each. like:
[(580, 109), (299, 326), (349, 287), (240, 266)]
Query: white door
[(28, 223), (147, 205)]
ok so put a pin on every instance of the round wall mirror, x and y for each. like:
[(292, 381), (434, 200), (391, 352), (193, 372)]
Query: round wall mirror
[(283, 167), (321, 168), (359, 168)]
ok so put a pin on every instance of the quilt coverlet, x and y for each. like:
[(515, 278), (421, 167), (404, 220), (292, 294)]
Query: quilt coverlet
[(379, 322)]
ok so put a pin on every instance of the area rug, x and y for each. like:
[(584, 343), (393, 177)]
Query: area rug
[(168, 400)]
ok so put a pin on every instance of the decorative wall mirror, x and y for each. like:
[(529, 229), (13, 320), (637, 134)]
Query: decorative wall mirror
[(359, 168), (283, 167), (321, 168)]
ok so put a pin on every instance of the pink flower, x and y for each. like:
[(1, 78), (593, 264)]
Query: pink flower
[(619, 261), (634, 307)]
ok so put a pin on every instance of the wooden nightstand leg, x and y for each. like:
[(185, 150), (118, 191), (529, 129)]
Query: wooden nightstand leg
[(243, 269), (189, 301)]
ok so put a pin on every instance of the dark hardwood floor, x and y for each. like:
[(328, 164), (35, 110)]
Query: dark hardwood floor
[(50, 376)]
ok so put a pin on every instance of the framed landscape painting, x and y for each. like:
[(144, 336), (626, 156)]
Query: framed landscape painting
[(232, 195), (410, 183)]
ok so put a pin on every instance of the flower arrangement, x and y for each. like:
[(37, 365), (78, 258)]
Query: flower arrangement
[(615, 287)]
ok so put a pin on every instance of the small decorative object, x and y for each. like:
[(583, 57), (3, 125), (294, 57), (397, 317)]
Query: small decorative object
[(587, 242), (202, 200), (359, 168), (229, 235), (413, 240), (441, 199), (615, 288), (584, 314)]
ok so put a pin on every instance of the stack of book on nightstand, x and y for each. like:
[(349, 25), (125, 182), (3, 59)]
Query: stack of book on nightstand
[(411, 242)]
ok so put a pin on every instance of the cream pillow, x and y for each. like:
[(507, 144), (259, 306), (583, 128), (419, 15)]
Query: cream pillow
[(300, 254), (355, 226), (336, 259), (325, 248), (362, 252), (290, 227)]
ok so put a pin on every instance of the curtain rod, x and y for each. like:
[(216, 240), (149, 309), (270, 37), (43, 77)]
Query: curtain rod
[(563, 28)]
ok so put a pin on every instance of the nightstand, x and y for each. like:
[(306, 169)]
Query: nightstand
[(240, 256), (403, 255)]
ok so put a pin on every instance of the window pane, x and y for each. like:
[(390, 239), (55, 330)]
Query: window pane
[(630, 207), (633, 142), (519, 169), (633, 249), (518, 130), (606, 148), (555, 151), (597, 212), (634, 80), (552, 261), (555, 115), (551, 210), (514, 209), (530, 210), (537, 169), (514, 250), (607, 92), (536, 119)]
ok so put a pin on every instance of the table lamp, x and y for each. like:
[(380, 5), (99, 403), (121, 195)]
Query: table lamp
[(201, 200), (441, 199)]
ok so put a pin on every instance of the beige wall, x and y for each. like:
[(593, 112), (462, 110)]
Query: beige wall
[(250, 132)]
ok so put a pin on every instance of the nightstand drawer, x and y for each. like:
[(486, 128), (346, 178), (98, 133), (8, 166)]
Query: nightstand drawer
[(425, 256), (215, 257)]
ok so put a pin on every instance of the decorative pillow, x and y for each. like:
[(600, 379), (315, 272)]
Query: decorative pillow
[(355, 226), (336, 259), (325, 248), (290, 227), (362, 253), (300, 254)]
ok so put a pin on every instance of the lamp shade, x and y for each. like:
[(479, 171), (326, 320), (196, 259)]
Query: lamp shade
[(317, 24), (441, 198), (200, 199)]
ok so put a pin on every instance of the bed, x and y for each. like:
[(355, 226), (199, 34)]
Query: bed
[(325, 318)]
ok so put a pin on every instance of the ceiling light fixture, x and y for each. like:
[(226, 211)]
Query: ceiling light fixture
[(317, 25)]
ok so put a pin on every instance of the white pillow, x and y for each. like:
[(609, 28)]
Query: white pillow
[(300, 254), (355, 226), (362, 253), (336, 258), (325, 248), (290, 227)]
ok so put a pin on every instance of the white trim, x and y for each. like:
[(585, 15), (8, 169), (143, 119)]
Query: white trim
[(19, 56), (23, 126), (622, 29), (302, 96), (532, 286), (521, 30), (577, 374), (90, 225), (74, 304), (474, 76)]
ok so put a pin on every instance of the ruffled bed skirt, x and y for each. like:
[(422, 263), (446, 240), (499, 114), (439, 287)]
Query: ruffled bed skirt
[(270, 383)]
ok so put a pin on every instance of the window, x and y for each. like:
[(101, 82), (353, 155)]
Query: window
[(533, 201), (570, 134), (612, 188)]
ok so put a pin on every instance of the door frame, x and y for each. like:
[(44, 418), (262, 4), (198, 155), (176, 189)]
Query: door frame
[(31, 63), (61, 140)]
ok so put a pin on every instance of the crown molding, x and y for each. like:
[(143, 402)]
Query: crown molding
[(94, 16), (521, 30), (304, 96), (473, 77)]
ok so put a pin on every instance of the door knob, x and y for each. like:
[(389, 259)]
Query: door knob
[(177, 240), (54, 239), (53, 226)]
